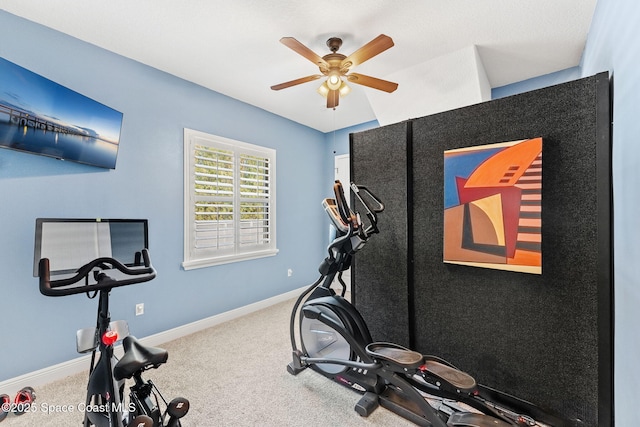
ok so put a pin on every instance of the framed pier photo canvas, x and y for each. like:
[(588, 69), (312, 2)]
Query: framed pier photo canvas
[(42, 117)]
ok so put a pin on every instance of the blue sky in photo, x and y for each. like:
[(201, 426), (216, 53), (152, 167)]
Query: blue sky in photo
[(33, 93)]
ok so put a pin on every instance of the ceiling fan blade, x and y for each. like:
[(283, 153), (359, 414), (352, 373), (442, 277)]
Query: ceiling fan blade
[(301, 49), (373, 82), (296, 82), (333, 98), (368, 51)]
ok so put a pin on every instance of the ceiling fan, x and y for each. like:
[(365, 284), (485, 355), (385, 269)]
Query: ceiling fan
[(336, 65)]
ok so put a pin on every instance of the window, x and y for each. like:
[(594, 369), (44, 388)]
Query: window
[(229, 200)]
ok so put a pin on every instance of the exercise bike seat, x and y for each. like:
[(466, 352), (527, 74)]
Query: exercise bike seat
[(393, 354), (137, 357)]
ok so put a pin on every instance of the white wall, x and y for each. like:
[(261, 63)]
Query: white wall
[(454, 80)]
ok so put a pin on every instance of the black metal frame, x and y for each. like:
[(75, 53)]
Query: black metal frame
[(389, 382), (105, 389)]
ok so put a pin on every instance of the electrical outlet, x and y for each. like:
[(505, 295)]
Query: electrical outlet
[(139, 309), (289, 272)]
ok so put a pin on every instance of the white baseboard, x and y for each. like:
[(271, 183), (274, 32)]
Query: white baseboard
[(80, 364)]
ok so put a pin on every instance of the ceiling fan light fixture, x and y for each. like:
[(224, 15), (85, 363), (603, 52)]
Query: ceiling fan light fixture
[(324, 89), (334, 81), (344, 90)]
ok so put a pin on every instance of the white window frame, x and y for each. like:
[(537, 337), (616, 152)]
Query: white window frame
[(198, 257)]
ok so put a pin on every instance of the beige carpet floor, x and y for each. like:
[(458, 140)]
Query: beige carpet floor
[(233, 374)]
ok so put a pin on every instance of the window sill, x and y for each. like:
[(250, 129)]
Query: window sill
[(209, 262)]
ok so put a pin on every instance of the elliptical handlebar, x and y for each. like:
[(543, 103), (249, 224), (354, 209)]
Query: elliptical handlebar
[(371, 203), (61, 287), (338, 242), (371, 210), (356, 190), (353, 233), (346, 214)]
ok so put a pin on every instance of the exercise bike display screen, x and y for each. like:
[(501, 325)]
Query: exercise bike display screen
[(71, 243)]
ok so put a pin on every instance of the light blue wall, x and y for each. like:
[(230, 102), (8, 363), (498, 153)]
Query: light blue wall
[(539, 82), (614, 45), (147, 183), (338, 142)]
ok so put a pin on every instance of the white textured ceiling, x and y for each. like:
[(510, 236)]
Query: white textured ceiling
[(232, 46)]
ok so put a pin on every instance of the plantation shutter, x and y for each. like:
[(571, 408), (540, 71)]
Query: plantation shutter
[(229, 200), (255, 200), (213, 199)]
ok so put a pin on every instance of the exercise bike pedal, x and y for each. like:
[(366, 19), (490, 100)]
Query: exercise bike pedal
[(141, 421), (367, 404), (178, 408)]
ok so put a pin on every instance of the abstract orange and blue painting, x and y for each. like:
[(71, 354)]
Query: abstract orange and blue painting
[(493, 206)]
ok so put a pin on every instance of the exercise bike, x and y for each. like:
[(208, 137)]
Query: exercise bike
[(335, 342), (104, 405)]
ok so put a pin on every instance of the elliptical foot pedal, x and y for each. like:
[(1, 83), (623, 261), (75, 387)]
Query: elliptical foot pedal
[(367, 404), (458, 379), (395, 354)]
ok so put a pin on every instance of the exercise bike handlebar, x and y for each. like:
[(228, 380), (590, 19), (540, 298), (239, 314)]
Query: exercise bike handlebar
[(64, 287)]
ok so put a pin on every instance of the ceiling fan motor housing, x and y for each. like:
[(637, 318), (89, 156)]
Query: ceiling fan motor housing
[(334, 44)]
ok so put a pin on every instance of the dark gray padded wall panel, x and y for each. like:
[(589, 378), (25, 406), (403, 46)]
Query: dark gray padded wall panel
[(544, 338), (534, 336), (380, 274)]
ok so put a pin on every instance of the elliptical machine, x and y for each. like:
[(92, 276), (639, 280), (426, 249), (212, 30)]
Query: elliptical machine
[(335, 342)]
